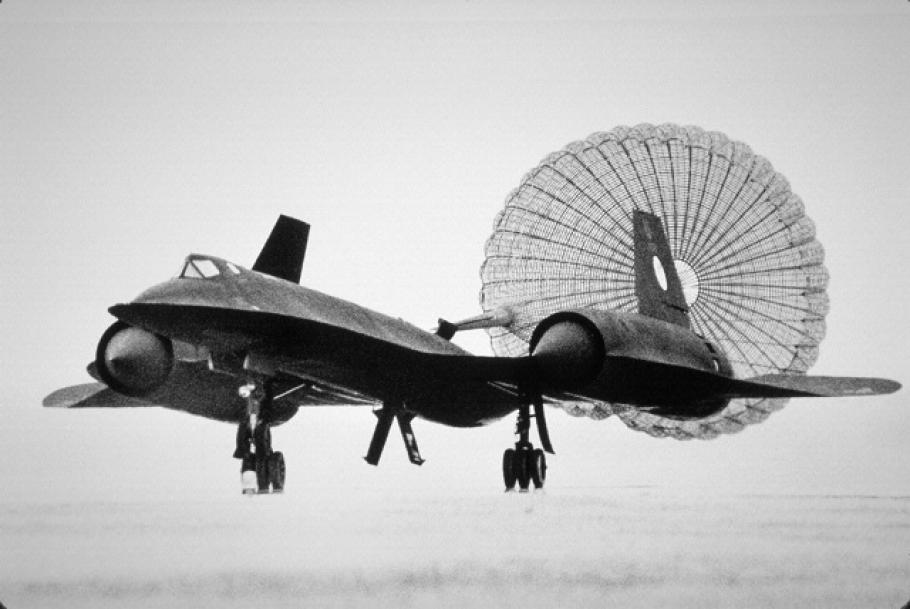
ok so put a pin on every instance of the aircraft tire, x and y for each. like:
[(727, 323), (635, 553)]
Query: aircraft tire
[(277, 471), (248, 481), (509, 473), (537, 467), (262, 473), (523, 463)]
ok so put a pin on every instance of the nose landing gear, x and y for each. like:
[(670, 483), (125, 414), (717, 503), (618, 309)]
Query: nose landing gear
[(261, 469), (525, 465)]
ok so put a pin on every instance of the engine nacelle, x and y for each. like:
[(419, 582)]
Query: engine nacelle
[(627, 358), (133, 361), (568, 349)]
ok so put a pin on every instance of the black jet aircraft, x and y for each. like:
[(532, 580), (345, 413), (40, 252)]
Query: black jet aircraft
[(251, 346)]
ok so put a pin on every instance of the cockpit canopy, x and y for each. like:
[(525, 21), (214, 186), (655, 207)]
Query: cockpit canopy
[(204, 267)]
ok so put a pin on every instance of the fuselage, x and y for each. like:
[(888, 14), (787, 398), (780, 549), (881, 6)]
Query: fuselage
[(308, 334), (217, 309), (240, 289)]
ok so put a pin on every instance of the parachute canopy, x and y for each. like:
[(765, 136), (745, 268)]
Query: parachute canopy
[(751, 268)]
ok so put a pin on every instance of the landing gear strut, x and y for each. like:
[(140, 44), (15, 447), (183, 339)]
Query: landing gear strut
[(261, 468), (393, 410), (524, 464)]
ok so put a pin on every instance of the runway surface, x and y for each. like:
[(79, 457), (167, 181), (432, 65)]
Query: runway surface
[(563, 547)]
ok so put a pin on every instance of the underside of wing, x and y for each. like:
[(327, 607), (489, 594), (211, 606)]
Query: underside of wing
[(823, 386), (193, 388), (311, 392), (90, 395)]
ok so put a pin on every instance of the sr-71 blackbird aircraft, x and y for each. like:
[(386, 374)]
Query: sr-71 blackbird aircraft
[(251, 346)]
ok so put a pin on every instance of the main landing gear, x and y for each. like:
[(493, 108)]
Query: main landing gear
[(524, 464), (261, 468)]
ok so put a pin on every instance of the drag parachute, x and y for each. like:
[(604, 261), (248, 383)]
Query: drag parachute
[(751, 268)]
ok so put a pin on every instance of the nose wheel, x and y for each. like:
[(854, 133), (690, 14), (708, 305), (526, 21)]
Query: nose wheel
[(525, 465)]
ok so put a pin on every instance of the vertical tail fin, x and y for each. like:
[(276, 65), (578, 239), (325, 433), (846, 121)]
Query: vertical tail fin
[(283, 252), (657, 284)]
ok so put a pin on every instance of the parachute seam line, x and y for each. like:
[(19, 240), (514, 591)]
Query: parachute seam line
[(784, 305), (731, 205), (564, 154), (617, 205), (597, 255), (630, 298), (685, 233), (759, 198), (543, 239), (760, 248), (620, 302), (624, 226), (763, 315), (757, 328), (643, 177), (720, 328), (627, 227), (710, 242), (715, 257), (660, 192), (761, 289), (554, 261), (762, 239), (701, 242), (675, 216), (637, 173), (754, 271), (603, 212), (767, 343), (765, 255), (673, 186), (699, 205), (563, 204), (546, 241), (551, 280), (572, 229)]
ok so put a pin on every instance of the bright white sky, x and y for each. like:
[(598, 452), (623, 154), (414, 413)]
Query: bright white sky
[(134, 133)]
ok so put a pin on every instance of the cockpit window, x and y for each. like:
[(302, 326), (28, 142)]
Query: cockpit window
[(200, 268)]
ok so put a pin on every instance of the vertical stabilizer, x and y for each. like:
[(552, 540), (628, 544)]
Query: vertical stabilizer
[(657, 284), (283, 252)]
